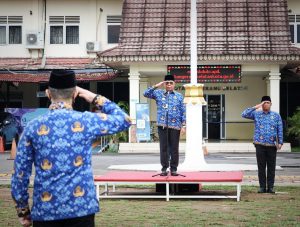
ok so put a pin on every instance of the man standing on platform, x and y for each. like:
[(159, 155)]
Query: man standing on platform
[(59, 145), (268, 138), (170, 122)]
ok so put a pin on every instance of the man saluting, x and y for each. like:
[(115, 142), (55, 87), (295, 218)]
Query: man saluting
[(59, 146), (170, 121), (268, 137)]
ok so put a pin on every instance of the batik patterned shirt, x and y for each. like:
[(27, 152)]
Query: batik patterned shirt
[(59, 146), (171, 110), (268, 126)]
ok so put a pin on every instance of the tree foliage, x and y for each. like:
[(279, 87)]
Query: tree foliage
[(294, 125)]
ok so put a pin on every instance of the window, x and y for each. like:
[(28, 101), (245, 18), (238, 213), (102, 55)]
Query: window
[(15, 34), (298, 33), (72, 34), (292, 30), (113, 28), (11, 30), (2, 34), (64, 29), (56, 35), (294, 21)]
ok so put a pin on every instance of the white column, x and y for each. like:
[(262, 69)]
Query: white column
[(268, 85), (274, 92), (143, 86), (194, 157), (193, 41), (134, 97), (134, 92)]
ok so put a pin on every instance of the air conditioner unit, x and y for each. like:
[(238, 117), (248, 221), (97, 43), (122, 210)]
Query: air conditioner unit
[(35, 40), (93, 46)]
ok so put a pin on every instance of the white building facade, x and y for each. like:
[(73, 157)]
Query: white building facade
[(262, 38)]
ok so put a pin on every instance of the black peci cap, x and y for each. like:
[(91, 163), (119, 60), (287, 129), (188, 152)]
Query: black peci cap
[(62, 79), (169, 77), (266, 98)]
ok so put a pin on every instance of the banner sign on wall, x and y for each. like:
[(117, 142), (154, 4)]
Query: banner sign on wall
[(207, 73), (142, 122), (24, 115)]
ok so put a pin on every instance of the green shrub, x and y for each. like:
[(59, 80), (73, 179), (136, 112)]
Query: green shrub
[(122, 136), (293, 130)]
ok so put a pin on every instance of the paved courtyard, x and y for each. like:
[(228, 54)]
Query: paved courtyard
[(289, 162)]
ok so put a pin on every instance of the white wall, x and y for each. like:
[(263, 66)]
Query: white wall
[(93, 24), (294, 5), (110, 8), (19, 8)]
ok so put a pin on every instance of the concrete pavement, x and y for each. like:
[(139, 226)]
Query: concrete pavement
[(288, 161)]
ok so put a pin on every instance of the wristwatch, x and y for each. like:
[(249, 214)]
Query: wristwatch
[(99, 100), (23, 212)]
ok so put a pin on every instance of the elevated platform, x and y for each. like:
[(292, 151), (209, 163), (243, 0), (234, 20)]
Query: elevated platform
[(213, 147), (133, 177)]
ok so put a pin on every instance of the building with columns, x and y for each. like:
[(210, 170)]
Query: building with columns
[(253, 35), (37, 36), (144, 40)]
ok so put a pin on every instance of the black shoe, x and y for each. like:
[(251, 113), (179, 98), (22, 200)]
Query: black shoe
[(271, 190), (261, 190), (174, 173), (164, 173)]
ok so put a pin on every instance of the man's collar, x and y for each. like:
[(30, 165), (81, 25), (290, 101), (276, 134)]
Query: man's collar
[(60, 105), (267, 112), (170, 92)]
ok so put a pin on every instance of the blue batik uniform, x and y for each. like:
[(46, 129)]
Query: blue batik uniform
[(268, 126), (170, 120), (59, 146), (170, 107)]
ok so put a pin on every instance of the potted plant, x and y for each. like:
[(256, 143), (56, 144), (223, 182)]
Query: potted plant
[(120, 136)]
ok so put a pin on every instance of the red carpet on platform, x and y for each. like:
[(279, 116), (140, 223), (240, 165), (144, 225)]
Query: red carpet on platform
[(135, 176), (112, 178)]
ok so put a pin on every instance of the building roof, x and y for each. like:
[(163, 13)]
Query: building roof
[(35, 71), (50, 63), (225, 27)]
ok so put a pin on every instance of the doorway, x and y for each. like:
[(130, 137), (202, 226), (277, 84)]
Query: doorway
[(214, 117)]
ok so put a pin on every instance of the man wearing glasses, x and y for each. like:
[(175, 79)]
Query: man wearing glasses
[(170, 122), (268, 138)]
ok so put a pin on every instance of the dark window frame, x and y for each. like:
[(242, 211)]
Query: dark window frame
[(72, 39), (12, 37), (5, 35), (113, 29), (13, 28), (69, 36), (113, 38), (56, 40), (294, 23)]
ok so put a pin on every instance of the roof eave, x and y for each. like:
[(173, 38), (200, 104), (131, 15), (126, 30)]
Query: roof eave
[(206, 57)]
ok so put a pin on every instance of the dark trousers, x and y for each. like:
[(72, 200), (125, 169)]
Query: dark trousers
[(169, 147), (266, 158), (86, 221)]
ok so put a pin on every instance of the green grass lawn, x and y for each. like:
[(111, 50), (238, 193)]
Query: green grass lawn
[(281, 209), (295, 149)]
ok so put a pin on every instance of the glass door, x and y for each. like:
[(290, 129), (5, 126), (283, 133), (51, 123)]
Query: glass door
[(214, 117)]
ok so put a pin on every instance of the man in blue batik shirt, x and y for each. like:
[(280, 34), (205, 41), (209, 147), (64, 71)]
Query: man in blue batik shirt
[(268, 138), (170, 122), (59, 146)]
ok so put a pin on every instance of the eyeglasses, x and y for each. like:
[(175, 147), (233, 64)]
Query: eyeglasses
[(169, 82)]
